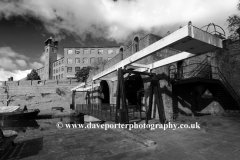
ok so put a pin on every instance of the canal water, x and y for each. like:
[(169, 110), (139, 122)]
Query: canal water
[(43, 124)]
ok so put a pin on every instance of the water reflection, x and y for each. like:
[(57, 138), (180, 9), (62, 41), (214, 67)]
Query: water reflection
[(19, 125), (44, 124)]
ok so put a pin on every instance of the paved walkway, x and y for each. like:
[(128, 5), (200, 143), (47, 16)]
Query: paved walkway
[(219, 142)]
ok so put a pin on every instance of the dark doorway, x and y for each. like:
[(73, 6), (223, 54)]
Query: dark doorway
[(121, 50), (133, 84), (104, 92), (136, 44), (180, 65)]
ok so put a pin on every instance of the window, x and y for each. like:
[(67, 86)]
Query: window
[(77, 51), (100, 51), (77, 60), (53, 77), (77, 69), (136, 44), (92, 60), (62, 61), (56, 63), (69, 69), (62, 75), (70, 51), (85, 60), (92, 51), (109, 58), (110, 51), (59, 62), (53, 64), (54, 71), (59, 76), (46, 50), (85, 51), (59, 69), (69, 61), (62, 68), (100, 59)]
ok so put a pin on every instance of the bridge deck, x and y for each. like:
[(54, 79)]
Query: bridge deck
[(189, 39)]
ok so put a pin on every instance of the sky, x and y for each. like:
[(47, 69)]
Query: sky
[(26, 24)]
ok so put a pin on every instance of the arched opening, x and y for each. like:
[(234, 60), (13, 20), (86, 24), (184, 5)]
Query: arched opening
[(180, 69), (104, 92), (133, 85), (136, 44), (172, 71), (121, 50)]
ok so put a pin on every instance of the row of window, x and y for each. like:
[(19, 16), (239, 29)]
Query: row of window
[(58, 63), (60, 76), (53, 50), (85, 60), (92, 51), (69, 69), (58, 70), (40, 70)]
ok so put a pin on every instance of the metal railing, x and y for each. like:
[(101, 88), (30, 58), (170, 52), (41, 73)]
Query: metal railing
[(228, 86), (104, 111), (100, 111), (203, 71)]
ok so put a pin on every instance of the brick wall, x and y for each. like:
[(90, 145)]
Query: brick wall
[(35, 88), (229, 63)]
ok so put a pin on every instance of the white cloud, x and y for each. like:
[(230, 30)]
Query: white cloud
[(10, 60), (42, 58), (59, 56), (109, 19), (7, 64), (21, 62), (36, 65), (8, 52), (16, 74)]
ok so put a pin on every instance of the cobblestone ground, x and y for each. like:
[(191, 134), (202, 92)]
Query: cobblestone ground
[(71, 144), (209, 143)]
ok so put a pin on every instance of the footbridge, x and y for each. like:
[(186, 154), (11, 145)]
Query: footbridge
[(135, 86)]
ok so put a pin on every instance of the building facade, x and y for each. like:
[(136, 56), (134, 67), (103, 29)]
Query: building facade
[(75, 58)]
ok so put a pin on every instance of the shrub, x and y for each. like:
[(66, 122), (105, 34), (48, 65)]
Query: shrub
[(33, 75), (60, 92)]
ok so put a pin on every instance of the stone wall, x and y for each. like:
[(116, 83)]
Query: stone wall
[(228, 61), (35, 88)]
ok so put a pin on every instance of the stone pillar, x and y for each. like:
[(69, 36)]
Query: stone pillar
[(73, 100)]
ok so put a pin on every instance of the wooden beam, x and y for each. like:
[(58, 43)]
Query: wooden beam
[(162, 43), (172, 59), (160, 63), (136, 72), (183, 40), (139, 65), (87, 88), (78, 86)]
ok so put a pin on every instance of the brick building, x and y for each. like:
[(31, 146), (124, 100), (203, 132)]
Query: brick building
[(74, 59)]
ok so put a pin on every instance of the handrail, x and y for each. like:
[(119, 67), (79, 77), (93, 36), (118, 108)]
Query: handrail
[(228, 86), (212, 71), (171, 71), (202, 65)]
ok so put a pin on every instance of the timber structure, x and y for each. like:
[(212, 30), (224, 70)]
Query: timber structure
[(142, 86)]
